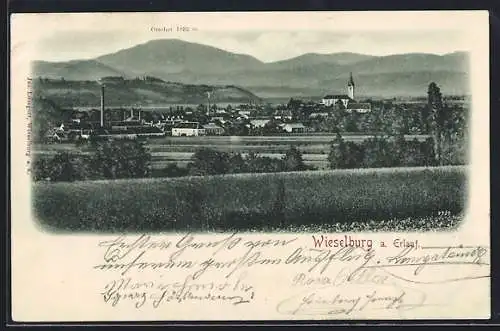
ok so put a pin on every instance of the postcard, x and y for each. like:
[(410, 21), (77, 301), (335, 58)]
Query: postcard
[(240, 166)]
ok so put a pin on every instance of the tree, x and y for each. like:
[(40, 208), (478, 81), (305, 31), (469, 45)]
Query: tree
[(293, 160), (425, 119), (337, 150), (400, 150), (427, 151), (201, 108), (271, 128), (172, 170), (62, 167), (345, 155), (339, 105), (375, 120), (258, 164), (147, 116), (238, 129), (121, 159), (329, 124), (237, 164), (438, 118), (207, 161), (46, 115), (351, 121), (294, 106), (378, 153)]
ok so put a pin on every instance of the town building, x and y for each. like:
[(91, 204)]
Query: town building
[(333, 99), (188, 129), (245, 112), (259, 123), (282, 114), (293, 127), (318, 115), (55, 135), (212, 129), (360, 107)]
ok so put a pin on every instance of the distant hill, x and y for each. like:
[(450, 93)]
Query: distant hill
[(74, 70), (310, 59), (412, 63), (191, 63), (382, 85), (163, 57), (66, 93)]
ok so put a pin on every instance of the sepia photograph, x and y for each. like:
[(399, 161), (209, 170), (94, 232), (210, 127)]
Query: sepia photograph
[(335, 131), (231, 166)]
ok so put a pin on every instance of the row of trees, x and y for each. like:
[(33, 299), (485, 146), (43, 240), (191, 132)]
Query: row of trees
[(105, 160), (130, 159), (448, 127), (207, 161), (390, 119), (381, 151)]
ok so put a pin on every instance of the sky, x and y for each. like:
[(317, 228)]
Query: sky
[(268, 36), (266, 46)]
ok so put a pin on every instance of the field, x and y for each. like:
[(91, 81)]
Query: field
[(396, 199), (167, 150)]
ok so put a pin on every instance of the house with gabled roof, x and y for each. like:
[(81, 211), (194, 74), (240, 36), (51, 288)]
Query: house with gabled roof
[(293, 127), (188, 129), (213, 129), (259, 123), (333, 99), (360, 107)]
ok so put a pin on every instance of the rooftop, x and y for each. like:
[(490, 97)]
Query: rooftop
[(187, 125), (336, 96), (359, 105), (318, 114), (295, 125), (260, 121), (211, 126)]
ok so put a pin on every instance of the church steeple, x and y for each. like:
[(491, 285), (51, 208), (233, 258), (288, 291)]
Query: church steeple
[(350, 87), (351, 80)]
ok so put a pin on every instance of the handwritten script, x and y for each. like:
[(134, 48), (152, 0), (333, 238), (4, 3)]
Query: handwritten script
[(146, 271)]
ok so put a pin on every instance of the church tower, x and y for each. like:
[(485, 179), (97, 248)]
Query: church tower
[(350, 87)]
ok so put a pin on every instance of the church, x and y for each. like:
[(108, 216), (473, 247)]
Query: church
[(347, 100)]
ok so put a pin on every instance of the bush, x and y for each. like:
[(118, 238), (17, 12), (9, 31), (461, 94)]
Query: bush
[(172, 170)]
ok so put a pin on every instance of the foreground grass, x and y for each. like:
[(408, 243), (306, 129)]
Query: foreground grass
[(345, 200)]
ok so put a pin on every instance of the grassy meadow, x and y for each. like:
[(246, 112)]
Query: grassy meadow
[(335, 200)]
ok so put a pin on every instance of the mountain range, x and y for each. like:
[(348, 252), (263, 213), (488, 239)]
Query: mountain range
[(309, 74)]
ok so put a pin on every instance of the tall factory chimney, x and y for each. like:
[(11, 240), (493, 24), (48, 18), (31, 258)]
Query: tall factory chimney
[(102, 105), (208, 98)]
